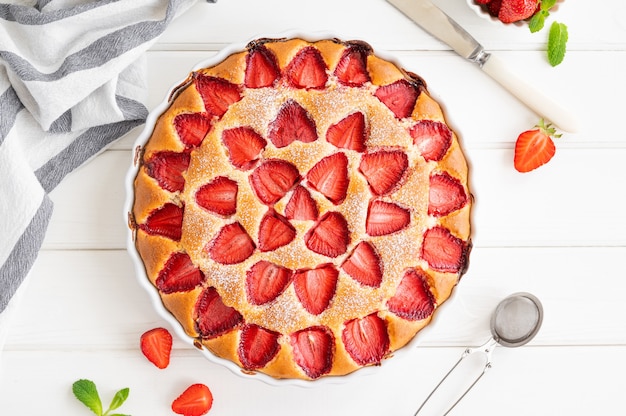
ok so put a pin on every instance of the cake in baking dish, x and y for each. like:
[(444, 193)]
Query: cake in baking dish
[(302, 207)]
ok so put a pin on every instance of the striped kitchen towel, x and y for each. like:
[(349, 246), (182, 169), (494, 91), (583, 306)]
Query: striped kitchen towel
[(72, 81)]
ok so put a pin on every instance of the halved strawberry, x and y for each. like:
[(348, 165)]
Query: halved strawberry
[(351, 69), (301, 205), (366, 339), (179, 274), (329, 176), (217, 93), (413, 299), (316, 287), (399, 97), (219, 196), (534, 148), (231, 245), (313, 350), (244, 146), (196, 400), (156, 345), (257, 346), (168, 168), (443, 251), (329, 236), (386, 218), (383, 169), (166, 221), (432, 138), (364, 265), (446, 195), (265, 281), (261, 67), (192, 128), (273, 179), (307, 69), (212, 317), (275, 231), (292, 123), (349, 132)]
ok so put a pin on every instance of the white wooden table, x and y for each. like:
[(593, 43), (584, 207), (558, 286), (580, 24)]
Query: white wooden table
[(558, 232)]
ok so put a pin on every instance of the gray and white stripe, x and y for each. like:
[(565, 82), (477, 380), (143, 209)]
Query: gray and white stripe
[(60, 59)]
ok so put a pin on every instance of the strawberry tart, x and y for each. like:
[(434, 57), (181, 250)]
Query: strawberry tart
[(302, 207)]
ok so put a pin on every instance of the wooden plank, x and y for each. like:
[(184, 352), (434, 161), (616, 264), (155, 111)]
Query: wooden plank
[(236, 21), (93, 298), (527, 380), (511, 209)]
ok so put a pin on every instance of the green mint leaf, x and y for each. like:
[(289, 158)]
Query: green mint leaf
[(537, 21), (557, 41), (119, 398), (86, 392), (547, 4)]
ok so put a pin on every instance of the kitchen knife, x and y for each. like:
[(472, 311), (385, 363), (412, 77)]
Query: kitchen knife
[(440, 25)]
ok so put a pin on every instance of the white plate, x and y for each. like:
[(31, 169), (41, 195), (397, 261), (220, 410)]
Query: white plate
[(140, 271)]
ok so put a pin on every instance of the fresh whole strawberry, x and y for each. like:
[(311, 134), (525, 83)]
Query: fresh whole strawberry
[(516, 10), (196, 400), (535, 148), (156, 345)]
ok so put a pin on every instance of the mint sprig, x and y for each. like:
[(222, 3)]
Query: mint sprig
[(87, 393), (557, 38), (557, 41)]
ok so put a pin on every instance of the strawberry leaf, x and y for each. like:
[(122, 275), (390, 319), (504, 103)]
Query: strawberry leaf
[(556, 43), (87, 393)]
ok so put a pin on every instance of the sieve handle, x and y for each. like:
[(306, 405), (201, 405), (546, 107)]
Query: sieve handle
[(486, 348)]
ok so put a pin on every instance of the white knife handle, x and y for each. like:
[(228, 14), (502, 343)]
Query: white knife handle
[(535, 99)]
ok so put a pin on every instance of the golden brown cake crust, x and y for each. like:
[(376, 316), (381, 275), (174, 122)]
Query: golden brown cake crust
[(163, 241)]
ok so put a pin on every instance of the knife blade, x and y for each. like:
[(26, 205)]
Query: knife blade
[(436, 22)]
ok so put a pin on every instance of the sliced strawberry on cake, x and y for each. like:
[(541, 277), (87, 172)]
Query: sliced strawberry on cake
[(329, 176), (316, 287), (349, 132), (272, 179), (292, 123), (231, 245), (384, 218), (219, 196), (244, 146), (307, 69), (413, 299), (275, 231), (432, 138), (213, 318), (364, 265), (166, 221), (179, 274), (399, 97), (446, 195), (351, 70), (257, 346), (443, 251), (265, 281), (384, 169), (261, 67), (366, 339), (192, 128), (217, 94), (313, 349), (329, 236), (167, 169), (301, 205)]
